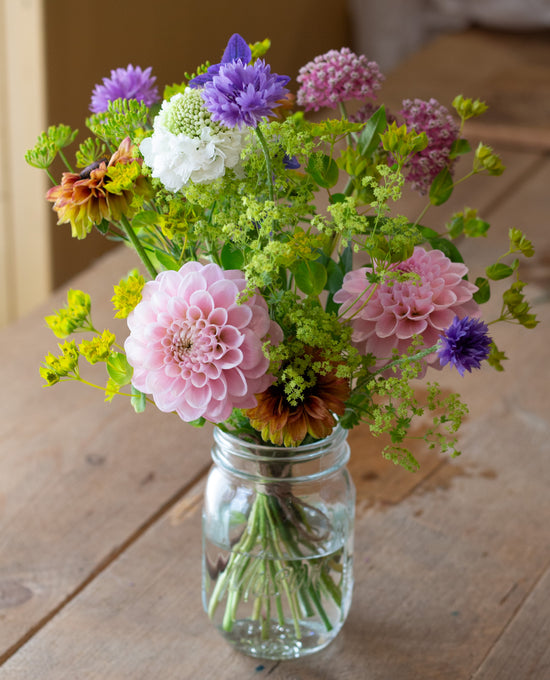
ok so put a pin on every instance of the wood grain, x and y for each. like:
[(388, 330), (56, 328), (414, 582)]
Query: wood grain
[(100, 521), (79, 478)]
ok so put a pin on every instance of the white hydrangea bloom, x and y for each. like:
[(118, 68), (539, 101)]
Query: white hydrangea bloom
[(187, 146)]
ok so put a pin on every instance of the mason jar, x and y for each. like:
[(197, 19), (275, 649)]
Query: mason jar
[(278, 544)]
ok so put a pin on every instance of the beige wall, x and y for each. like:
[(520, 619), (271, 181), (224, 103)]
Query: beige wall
[(25, 263)]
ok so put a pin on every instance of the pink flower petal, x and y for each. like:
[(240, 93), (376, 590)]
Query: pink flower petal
[(423, 305), (197, 349)]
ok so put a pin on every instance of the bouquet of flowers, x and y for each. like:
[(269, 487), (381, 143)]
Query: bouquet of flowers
[(280, 290)]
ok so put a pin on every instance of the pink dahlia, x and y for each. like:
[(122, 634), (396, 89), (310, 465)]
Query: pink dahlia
[(195, 348), (335, 77), (384, 317), (442, 131)]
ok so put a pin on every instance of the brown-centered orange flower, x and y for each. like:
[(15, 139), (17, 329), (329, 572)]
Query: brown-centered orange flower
[(88, 197), (285, 424)]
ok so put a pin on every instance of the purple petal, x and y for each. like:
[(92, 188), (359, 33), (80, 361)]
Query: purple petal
[(237, 48)]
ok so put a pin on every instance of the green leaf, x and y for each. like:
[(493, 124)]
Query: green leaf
[(441, 188), (138, 400), (519, 243), (103, 227), (232, 257), (369, 139), (459, 147), (499, 271), (346, 260), (145, 219), (338, 198), (456, 225), (439, 243), (476, 227), (310, 276), (496, 357), (323, 169), (165, 259), (483, 293), (119, 369), (335, 277)]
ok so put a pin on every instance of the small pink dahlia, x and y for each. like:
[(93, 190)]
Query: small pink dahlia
[(442, 131), (195, 348), (387, 316), (335, 77)]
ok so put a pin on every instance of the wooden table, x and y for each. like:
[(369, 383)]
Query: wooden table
[(100, 509)]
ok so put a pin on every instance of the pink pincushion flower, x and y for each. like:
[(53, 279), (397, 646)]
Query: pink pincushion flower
[(385, 318), (442, 131), (195, 348), (335, 77)]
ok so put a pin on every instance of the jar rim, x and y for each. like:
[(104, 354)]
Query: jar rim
[(298, 454)]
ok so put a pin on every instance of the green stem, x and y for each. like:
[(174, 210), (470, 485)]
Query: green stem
[(267, 157), (273, 573), (138, 246), (65, 161)]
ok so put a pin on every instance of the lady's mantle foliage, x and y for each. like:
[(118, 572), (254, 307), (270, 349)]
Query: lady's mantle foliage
[(255, 315)]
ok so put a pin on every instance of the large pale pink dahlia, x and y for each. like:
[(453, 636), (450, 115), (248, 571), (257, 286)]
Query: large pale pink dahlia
[(194, 348), (386, 316)]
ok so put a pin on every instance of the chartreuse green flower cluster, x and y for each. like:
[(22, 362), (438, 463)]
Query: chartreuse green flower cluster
[(75, 317), (262, 217), (127, 294), (49, 144), (388, 402)]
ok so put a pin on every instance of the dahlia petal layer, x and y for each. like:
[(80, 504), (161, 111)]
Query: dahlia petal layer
[(386, 317), (194, 348)]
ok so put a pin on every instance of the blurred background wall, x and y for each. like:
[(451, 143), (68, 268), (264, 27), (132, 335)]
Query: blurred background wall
[(53, 52)]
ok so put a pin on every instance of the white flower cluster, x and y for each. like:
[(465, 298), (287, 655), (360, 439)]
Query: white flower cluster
[(187, 146)]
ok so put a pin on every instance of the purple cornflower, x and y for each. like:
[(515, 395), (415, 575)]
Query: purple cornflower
[(335, 77), (465, 344), (243, 94), (442, 131), (125, 83), (237, 48)]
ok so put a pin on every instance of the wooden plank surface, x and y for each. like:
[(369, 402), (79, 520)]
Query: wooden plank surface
[(100, 521), (444, 558), (511, 72), (523, 651), (78, 477), (439, 576)]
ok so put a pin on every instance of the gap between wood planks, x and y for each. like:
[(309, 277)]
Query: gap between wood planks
[(510, 621), (538, 161), (112, 556)]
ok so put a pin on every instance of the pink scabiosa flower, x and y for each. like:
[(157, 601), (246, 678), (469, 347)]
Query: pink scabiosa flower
[(335, 77), (194, 348), (125, 83), (442, 131), (385, 316)]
